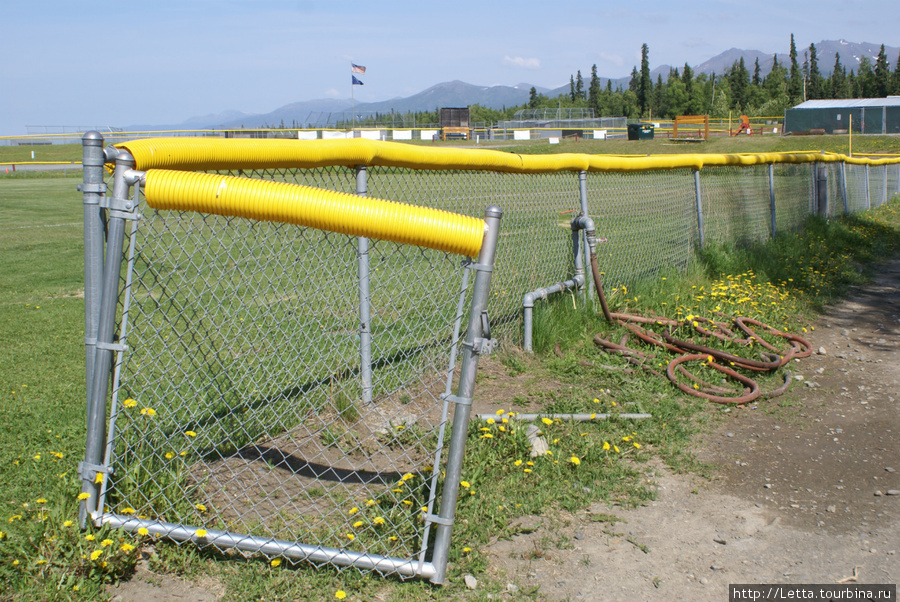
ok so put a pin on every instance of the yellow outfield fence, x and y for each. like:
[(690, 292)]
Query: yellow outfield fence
[(282, 336)]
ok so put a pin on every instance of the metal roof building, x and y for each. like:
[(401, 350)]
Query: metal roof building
[(869, 116)]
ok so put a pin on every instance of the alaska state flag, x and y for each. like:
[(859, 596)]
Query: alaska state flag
[(356, 82)]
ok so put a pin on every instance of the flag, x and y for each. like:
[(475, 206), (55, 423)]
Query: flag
[(356, 82), (357, 69)]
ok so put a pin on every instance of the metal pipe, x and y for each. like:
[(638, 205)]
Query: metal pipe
[(274, 547), (565, 417), (365, 307), (465, 389), (542, 293), (772, 198), (699, 200), (103, 353), (844, 188), (585, 211), (868, 190), (821, 175), (92, 189), (884, 193)]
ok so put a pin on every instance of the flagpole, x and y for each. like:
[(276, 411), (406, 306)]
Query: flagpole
[(352, 106)]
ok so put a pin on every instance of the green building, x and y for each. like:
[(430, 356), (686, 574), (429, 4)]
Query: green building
[(868, 115)]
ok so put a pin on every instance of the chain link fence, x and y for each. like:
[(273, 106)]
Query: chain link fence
[(288, 390)]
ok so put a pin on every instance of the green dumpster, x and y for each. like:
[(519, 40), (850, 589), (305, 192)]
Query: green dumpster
[(640, 131)]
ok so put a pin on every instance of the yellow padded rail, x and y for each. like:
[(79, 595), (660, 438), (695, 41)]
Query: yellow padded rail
[(209, 154), (323, 209)]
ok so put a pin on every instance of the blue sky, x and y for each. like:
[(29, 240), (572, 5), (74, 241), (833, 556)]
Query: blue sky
[(122, 63)]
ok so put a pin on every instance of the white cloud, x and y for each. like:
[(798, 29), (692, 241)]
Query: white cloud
[(332, 92), (615, 59), (518, 61)]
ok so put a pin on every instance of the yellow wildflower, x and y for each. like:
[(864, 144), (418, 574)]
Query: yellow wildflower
[(276, 562)]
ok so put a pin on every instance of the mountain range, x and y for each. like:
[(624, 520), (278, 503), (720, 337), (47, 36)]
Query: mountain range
[(321, 112)]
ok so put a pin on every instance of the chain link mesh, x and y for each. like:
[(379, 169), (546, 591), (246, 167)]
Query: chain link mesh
[(239, 406)]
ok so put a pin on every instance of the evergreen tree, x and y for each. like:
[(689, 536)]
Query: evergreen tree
[(579, 86), (795, 89), (594, 91), (634, 84), (865, 79), (738, 79), (897, 76), (815, 87), (757, 78), (645, 91), (532, 98), (775, 83), (882, 81), (572, 88), (659, 106), (839, 88)]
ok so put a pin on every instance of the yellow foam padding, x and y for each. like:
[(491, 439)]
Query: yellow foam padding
[(210, 154), (317, 208)]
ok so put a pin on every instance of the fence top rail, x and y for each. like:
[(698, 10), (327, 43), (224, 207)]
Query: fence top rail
[(207, 154)]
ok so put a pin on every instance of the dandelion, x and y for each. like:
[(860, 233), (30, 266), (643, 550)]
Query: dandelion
[(353, 510), (486, 436), (129, 403), (616, 448), (170, 455), (106, 543), (351, 536), (596, 400), (407, 502), (527, 470), (575, 460), (593, 416), (546, 421), (200, 507), (96, 554), (40, 500), (143, 532), (89, 537), (517, 463), (190, 433), (276, 562), (201, 532), (465, 484), (357, 524), (406, 477), (340, 594), (67, 523), (606, 446), (393, 538), (148, 412), (378, 521), (636, 445), (41, 561), (491, 421), (499, 412), (126, 547)]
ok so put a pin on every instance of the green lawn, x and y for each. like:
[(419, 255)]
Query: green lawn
[(42, 387)]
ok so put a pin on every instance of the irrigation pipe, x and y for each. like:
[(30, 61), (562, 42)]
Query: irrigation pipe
[(686, 351)]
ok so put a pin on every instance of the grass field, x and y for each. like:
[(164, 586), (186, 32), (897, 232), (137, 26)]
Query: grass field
[(43, 556)]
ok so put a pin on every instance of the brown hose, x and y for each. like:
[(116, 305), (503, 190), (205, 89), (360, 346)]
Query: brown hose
[(689, 351)]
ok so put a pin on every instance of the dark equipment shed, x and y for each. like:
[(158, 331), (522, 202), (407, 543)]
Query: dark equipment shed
[(869, 116)]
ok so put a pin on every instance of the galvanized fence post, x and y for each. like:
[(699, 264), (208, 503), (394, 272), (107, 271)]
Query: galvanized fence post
[(365, 308), (92, 471), (92, 188), (772, 198), (821, 186), (472, 347), (868, 190), (844, 193), (697, 195), (588, 284)]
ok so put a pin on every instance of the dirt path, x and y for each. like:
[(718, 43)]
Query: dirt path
[(805, 494)]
